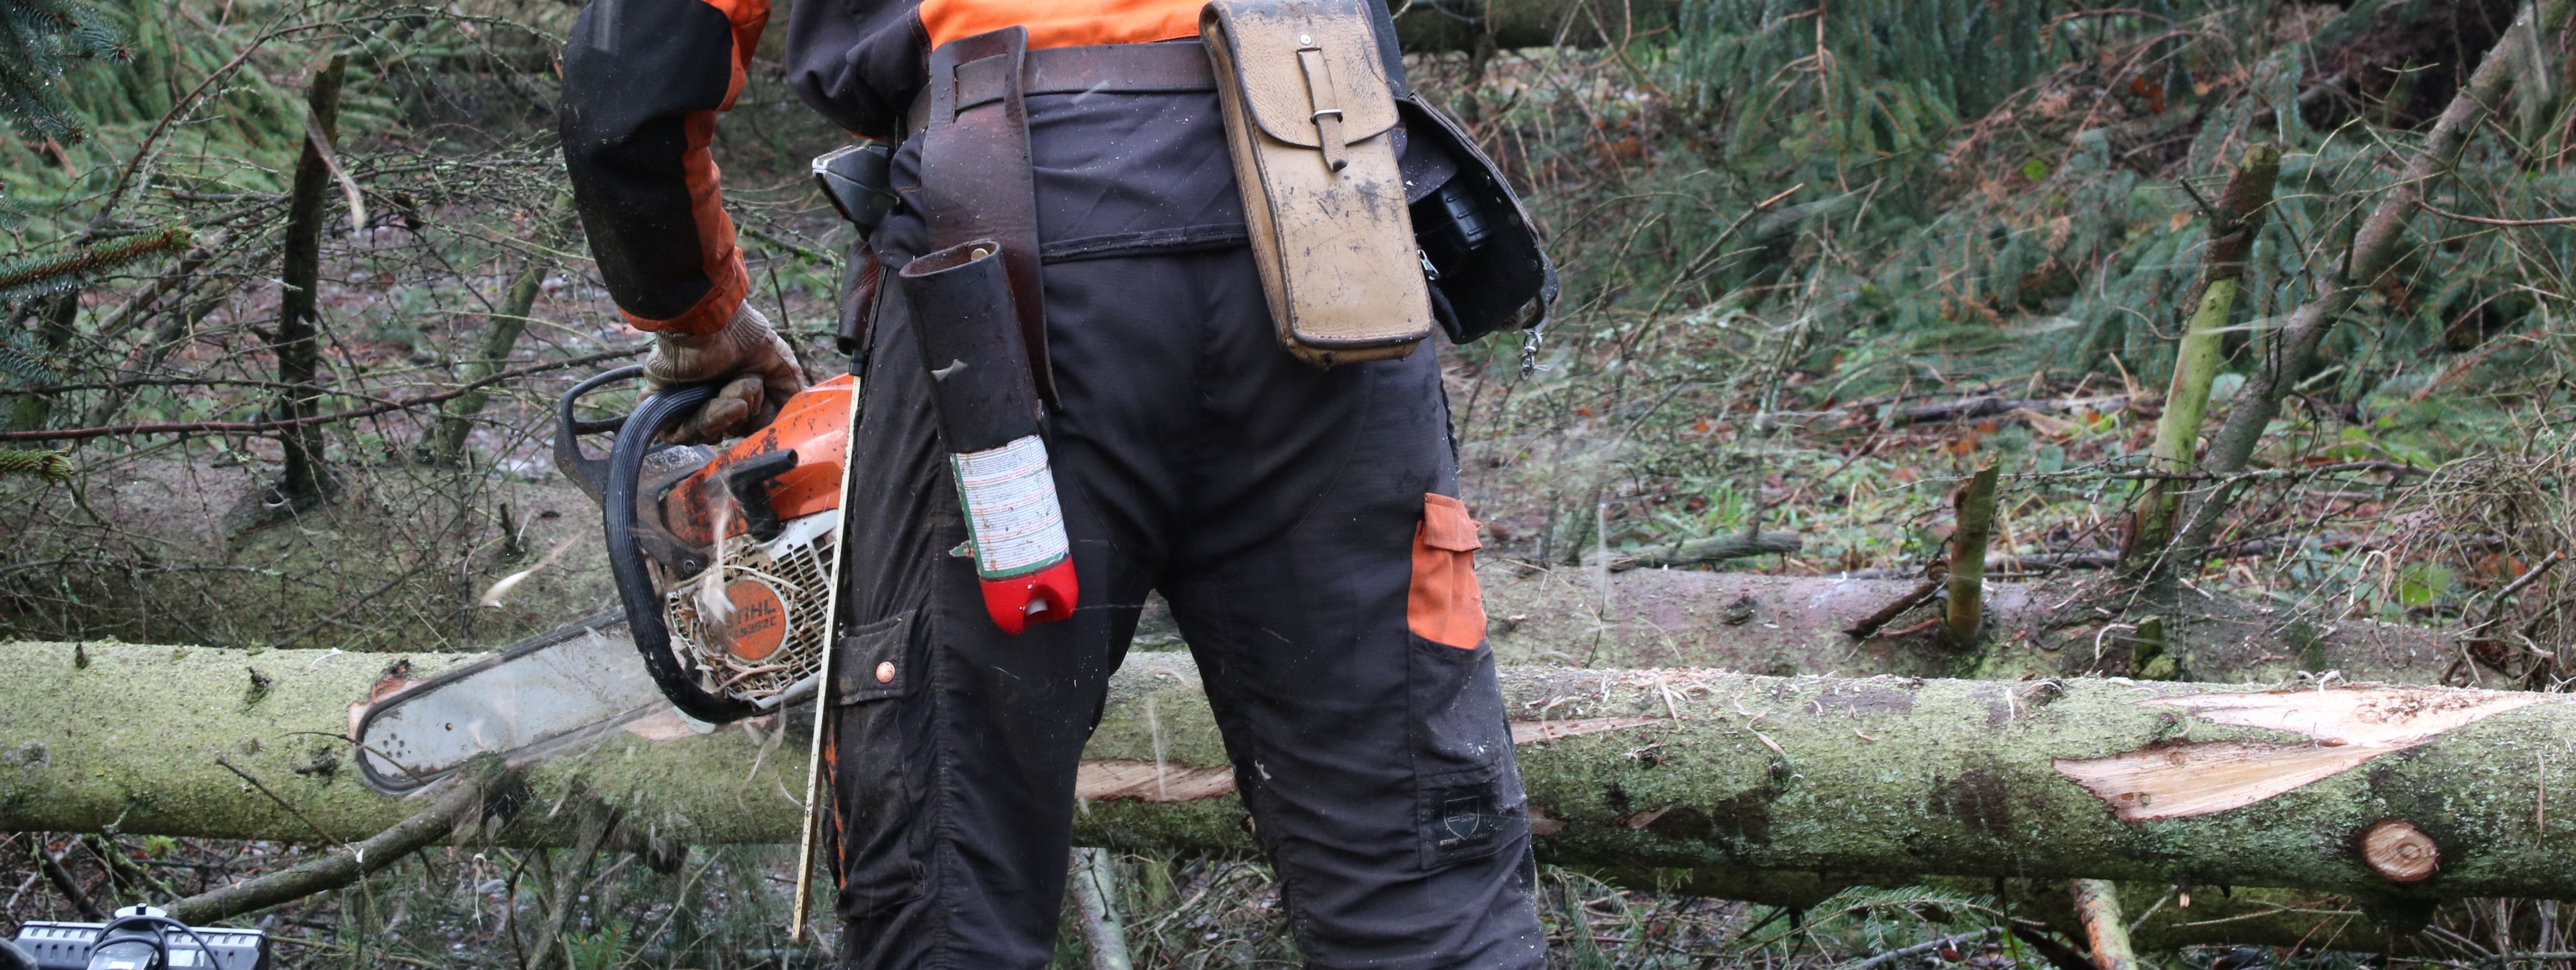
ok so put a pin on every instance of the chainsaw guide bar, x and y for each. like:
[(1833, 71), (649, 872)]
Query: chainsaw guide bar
[(542, 694)]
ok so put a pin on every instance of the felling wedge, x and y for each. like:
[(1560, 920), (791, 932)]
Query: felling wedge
[(1627, 768)]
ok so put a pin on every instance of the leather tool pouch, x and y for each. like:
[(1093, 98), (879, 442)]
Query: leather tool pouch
[(1489, 271), (1311, 119)]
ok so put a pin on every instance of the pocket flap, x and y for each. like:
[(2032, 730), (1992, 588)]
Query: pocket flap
[(875, 662), (1445, 524), (1288, 56)]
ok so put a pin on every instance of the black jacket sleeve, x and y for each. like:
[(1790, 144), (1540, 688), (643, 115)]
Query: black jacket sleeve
[(859, 62), (643, 83)]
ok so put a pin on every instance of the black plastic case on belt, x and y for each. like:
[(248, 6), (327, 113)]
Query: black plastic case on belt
[(1493, 272), (970, 339)]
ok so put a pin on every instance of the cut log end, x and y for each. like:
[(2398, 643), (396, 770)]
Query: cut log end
[(2399, 851)]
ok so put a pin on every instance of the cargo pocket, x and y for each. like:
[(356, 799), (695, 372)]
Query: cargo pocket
[(1444, 605), (1469, 801), (878, 761)]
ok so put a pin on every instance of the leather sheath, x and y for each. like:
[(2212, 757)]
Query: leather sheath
[(976, 183), (973, 119)]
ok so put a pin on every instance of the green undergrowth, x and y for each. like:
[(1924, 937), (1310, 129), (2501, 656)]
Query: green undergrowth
[(1787, 226)]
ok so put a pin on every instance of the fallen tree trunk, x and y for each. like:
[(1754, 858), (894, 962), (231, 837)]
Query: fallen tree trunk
[(1692, 552), (2155, 783), (1448, 25), (252, 744), (1787, 625), (2047, 779)]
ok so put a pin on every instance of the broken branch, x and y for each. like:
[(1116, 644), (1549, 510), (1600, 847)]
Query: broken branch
[(465, 796)]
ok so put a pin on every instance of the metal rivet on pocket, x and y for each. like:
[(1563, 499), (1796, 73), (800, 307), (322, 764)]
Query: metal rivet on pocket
[(885, 673)]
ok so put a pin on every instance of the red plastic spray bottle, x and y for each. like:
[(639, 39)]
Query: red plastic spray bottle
[(988, 409)]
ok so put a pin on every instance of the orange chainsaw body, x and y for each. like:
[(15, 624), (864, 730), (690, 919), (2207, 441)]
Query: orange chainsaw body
[(814, 424)]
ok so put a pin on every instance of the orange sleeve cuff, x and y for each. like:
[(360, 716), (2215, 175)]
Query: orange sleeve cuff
[(713, 310)]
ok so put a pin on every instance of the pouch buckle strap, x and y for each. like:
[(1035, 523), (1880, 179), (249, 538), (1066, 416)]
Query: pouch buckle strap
[(1328, 111)]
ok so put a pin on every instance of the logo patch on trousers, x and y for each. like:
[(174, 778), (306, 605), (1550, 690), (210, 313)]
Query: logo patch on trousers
[(1460, 819)]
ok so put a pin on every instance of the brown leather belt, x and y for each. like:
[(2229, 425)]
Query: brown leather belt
[(973, 119), (1171, 67)]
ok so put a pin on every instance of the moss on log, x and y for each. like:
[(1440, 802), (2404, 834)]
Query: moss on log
[(103, 734), (1787, 625), (2156, 783), (2096, 778)]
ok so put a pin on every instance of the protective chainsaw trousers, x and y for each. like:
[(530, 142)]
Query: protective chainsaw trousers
[(1300, 524)]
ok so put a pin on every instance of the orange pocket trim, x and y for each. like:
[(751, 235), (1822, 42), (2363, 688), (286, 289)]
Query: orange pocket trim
[(1444, 605)]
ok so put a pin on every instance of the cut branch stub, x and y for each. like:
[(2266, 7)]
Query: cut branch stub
[(1968, 557), (2097, 906), (2395, 848)]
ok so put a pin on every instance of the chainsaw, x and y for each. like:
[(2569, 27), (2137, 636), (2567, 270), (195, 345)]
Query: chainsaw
[(726, 560), (722, 559)]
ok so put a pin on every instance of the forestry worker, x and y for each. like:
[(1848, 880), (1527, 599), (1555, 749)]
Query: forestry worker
[(1235, 417)]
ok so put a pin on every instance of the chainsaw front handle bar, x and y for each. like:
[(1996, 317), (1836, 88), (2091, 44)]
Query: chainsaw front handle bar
[(588, 473), (626, 560)]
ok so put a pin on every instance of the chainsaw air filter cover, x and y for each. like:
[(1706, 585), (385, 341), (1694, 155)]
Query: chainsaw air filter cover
[(752, 622)]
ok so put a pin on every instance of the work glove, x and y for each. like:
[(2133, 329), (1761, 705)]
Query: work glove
[(759, 370)]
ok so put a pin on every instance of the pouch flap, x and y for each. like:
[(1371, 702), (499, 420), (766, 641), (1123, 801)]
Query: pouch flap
[(873, 661), (1289, 55)]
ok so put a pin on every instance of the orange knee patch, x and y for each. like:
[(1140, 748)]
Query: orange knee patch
[(1445, 606)]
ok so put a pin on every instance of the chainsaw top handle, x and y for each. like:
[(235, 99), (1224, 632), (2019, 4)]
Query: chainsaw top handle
[(626, 561)]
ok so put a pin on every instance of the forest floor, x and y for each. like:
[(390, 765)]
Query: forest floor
[(1865, 487)]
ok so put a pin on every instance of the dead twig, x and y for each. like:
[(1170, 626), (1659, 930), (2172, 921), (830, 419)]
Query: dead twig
[(264, 427), (1895, 608), (2097, 905), (2496, 606), (51, 863), (290, 808), (1707, 549), (482, 777), (2484, 221), (1952, 941), (2058, 954)]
